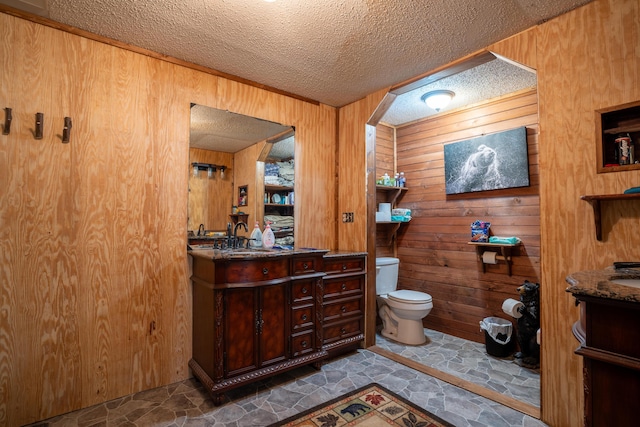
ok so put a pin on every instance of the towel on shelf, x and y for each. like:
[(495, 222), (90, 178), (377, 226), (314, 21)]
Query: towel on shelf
[(632, 190), (504, 240)]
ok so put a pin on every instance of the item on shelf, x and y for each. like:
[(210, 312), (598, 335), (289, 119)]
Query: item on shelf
[(268, 238), (480, 231), (625, 149), (401, 215), (403, 180), (256, 237), (632, 190), (504, 240), (384, 212)]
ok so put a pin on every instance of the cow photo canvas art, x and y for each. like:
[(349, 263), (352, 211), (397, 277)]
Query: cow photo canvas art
[(488, 162)]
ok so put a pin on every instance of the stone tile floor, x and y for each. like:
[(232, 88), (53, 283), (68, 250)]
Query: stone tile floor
[(469, 361), (187, 404)]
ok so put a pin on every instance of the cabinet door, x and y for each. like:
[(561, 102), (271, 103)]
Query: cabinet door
[(242, 317), (273, 324)]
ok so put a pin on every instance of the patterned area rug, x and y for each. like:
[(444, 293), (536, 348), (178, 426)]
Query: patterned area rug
[(369, 406)]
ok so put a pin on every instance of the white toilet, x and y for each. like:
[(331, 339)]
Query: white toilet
[(401, 311)]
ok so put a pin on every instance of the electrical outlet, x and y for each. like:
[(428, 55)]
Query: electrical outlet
[(347, 217)]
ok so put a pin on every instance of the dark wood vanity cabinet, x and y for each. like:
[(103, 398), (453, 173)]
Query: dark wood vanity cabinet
[(254, 318), (609, 336), (343, 303), (255, 322)]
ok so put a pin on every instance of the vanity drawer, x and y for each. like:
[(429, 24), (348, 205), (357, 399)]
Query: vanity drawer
[(302, 317), (343, 286), (303, 290), (341, 330), (343, 308), (302, 343), (306, 264), (241, 271), (340, 265)]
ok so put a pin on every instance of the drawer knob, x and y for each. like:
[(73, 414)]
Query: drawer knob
[(305, 266), (304, 317), (343, 309), (304, 344), (344, 286), (265, 271), (344, 266), (343, 331), (305, 290)]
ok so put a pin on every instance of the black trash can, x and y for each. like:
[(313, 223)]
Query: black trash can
[(497, 336)]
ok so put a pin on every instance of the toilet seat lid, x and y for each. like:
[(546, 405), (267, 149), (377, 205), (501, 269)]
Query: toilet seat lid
[(413, 297)]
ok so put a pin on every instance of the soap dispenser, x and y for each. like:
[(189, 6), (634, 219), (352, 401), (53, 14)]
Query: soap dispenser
[(268, 238), (255, 240)]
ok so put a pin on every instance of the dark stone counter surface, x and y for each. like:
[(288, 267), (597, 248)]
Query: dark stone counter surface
[(338, 254), (207, 252), (599, 283)]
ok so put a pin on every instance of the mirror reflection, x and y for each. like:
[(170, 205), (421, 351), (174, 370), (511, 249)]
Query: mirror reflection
[(241, 171)]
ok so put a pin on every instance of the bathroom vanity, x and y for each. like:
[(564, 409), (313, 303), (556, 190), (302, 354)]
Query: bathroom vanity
[(257, 313), (608, 332)]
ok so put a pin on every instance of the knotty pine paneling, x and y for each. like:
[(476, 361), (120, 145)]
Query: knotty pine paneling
[(433, 250), (96, 297)]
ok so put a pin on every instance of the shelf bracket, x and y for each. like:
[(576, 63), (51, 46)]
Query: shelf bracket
[(597, 217)]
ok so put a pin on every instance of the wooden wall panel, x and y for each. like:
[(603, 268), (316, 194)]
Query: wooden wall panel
[(356, 192), (213, 197), (249, 172), (96, 298), (385, 151), (433, 250), (583, 66)]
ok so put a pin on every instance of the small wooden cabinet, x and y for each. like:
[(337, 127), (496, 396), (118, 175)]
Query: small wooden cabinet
[(609, 332), (254, 317), (343, 302)]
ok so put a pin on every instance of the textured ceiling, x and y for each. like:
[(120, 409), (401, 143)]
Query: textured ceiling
[(487, 81), (332, 51)]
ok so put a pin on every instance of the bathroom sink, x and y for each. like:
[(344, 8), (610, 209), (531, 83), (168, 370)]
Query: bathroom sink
[(635, 282)]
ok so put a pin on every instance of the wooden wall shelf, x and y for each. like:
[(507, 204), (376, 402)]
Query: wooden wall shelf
[(239, 217), (390, 195), (595, 201), (503, 249)]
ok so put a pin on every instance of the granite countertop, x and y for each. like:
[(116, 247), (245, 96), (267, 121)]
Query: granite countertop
[(599, 283), (338, 254), (206, 251)]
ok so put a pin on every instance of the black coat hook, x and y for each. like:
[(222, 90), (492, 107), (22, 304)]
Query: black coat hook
[(66, 130), (7, 121), (39, 125)]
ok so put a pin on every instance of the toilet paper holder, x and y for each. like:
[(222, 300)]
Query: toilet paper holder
[(503, 251)]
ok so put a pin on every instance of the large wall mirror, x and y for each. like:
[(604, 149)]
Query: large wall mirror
[(241, 169)]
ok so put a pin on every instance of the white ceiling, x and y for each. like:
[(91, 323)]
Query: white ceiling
[(331, 51)]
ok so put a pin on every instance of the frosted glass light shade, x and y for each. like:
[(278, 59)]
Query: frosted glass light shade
[(438, 99)]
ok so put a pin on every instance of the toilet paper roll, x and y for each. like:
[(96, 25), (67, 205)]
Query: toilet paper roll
[(489, 257), (511, 306), (384, 207)]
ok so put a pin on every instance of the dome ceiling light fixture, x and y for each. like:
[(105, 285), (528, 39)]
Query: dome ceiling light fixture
[(438, 99)]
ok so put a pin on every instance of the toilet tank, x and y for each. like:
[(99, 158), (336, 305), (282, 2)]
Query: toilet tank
[(386, 275)]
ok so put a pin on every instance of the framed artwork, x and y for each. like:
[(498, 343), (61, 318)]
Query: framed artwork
[(488, 162), (242, 195)]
